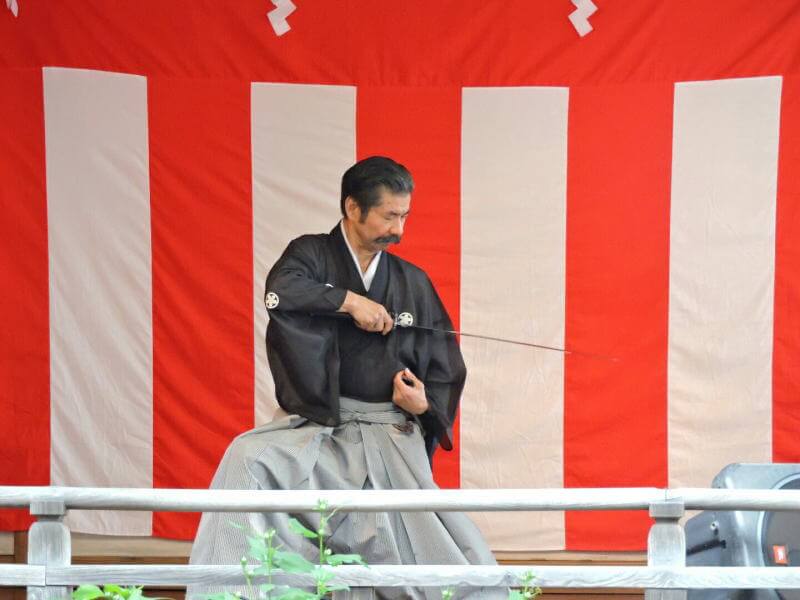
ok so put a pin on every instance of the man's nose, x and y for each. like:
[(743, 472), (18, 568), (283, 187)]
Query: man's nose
[(396, 228)]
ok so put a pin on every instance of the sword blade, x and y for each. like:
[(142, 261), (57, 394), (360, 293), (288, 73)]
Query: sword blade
[(510, 341), (399, 325)]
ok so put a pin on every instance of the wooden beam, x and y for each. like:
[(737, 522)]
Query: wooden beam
[(456, 575), (11, 575), (400, 500)]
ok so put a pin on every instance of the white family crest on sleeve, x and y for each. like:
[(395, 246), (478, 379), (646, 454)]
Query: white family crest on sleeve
[(404, 319), (13, 7), (271, 300)]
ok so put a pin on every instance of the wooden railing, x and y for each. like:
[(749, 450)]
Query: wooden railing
[(49, 574)]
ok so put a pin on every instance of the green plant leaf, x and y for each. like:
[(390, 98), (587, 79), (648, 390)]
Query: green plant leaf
[(515, 595), (337, 587), (135, 593), (111, 588), (321, 574), (258, 547), (339, 559), (267, 587), (86, 592), (298, 527), (293, 563), (527, 578)]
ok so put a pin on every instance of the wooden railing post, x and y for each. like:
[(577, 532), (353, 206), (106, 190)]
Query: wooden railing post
[(49, 544), (666, 544)]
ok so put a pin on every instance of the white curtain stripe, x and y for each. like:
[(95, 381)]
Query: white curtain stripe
[(303, 139), (722, 266), (101, 363), (514, 168)]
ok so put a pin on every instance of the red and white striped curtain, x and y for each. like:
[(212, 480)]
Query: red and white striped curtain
[(631, 193)]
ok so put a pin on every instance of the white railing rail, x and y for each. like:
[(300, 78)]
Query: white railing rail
[(621, 577), (49, 574), (494, 500)]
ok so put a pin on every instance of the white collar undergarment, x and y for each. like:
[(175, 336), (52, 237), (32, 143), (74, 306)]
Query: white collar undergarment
[(369, 275)]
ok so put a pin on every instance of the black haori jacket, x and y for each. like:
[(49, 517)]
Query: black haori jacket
[(305, 288)]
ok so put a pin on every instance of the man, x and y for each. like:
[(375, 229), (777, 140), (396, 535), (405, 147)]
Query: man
[(366, 403)]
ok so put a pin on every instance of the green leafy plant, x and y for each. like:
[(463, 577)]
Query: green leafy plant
[(268, 557), (528, 590), (110, 592)]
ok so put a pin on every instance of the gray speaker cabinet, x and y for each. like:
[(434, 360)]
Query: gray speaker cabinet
[(747, 538)]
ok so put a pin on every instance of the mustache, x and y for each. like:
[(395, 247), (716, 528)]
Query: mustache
[(388, 239)]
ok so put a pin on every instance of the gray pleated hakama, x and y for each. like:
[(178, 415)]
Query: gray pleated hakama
[(366, 452)]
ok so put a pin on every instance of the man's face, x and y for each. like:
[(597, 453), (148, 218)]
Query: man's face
[(383, 224)]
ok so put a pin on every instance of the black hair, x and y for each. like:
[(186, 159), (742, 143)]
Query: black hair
[(368, 178)]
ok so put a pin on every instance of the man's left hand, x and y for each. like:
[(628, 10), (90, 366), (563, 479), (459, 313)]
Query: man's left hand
[(409, 396)]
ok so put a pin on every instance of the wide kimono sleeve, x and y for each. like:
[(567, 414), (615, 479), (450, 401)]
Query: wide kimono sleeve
[(302, 349), (297, 280), (444, 378)]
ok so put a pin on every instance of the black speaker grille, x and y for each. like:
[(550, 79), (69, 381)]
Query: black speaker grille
[(780, 539)]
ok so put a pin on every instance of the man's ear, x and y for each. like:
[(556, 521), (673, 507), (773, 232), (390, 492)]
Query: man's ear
[(352, 209)]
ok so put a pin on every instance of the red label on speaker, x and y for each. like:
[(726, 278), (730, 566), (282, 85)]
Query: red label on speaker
[(780, 555)]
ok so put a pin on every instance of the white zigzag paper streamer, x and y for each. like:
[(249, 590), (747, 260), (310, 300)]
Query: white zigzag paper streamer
[(277, 16), (580, 16), (13, 7)]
